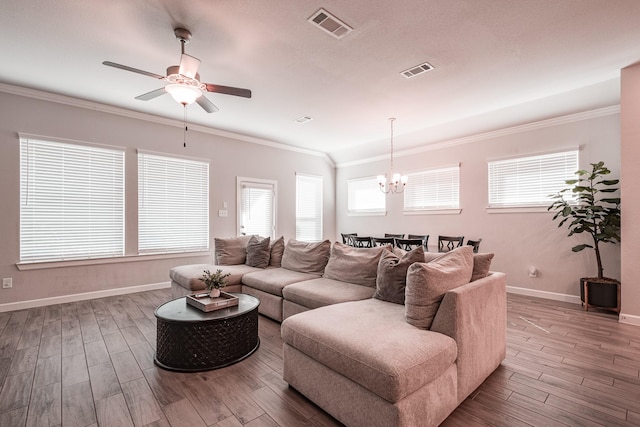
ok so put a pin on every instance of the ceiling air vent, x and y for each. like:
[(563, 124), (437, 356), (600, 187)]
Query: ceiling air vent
[(329, 23), (303, 119), (418, 69)]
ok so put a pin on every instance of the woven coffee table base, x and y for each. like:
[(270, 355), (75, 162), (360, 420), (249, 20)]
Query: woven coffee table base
[(201, 346)]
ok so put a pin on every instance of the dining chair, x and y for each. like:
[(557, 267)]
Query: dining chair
[(475, 244), (361, 242), (382, 241), (447, 243), (423, 237), (409, 244), (346, 238), (394, 236)]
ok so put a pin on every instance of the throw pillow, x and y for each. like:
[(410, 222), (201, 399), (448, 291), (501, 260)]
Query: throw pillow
[(277, 249), (481, 266), (353, 265), (231, 250), (428, 282), (391, 277), (306, 257), (258, 252)]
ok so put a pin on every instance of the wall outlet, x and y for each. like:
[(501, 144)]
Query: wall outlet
[(7, 283), (222, 212), (533, 272)]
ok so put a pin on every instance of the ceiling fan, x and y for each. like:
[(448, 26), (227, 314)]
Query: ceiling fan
[(184, 81)]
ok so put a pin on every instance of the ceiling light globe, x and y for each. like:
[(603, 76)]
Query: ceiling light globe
[(184, 94)]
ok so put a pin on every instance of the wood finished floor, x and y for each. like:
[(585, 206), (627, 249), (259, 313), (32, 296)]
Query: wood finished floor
[(91, 363)]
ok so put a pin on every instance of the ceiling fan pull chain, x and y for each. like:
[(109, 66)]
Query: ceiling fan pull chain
[(184, 139)]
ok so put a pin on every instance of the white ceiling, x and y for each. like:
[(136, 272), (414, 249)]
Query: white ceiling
[(498, 63)]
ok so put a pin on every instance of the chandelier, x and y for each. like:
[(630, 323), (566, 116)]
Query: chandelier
[(397, 181)]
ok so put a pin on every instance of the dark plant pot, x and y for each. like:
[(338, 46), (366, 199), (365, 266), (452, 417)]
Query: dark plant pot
[(602, 292)]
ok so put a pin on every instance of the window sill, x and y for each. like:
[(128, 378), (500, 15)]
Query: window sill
[(380, 213), (521, 209), (38, 265), (433, 212)]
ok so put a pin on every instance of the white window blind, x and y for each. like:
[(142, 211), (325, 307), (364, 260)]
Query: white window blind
[(433, 189), (173, 204), (71, 201), (528, 181), (364, 196), (257, 214), (308, 208)]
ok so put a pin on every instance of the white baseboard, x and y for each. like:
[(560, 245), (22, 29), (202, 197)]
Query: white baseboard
[(21, 305), (544, 294), (629, 319)]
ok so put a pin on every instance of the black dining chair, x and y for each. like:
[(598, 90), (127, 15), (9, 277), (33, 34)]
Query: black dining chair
[(383, 241), (394, 236), (409, 244), (447, 243), (423, 237), (362, 242), (475, 244), (346, 238)]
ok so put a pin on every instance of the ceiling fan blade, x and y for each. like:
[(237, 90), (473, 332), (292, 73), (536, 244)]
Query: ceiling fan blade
[(150, 95), (228, 90), (134, 70), (206, 104), (189, 65)]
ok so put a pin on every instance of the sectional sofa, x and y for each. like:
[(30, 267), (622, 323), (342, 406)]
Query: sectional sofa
[(375, 337)]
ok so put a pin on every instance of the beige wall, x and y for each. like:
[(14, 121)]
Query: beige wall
[(229, 158), (630, 129), (519, 240)]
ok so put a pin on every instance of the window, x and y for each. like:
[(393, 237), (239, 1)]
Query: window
[(71, 201), (435, 189), (364, 197), (173, 204), (528, 181), (256, 210), (308, 208)]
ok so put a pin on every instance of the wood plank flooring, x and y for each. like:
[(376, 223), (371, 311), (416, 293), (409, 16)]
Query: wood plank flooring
[(90, 363)]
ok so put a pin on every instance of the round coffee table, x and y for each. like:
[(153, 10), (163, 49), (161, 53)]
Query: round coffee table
[(193, 340)]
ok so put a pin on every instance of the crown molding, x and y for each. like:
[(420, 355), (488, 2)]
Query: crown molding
[(109, 109), (556, 121)]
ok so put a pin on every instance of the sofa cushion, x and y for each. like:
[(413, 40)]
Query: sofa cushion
[(373, 346), (231, 250), (272, 280), (306, 257), (428, 282), (316, 293), (188, 276), (481, 266), (258, 252), (481, 263), (353, 265), (392, 274), (277, 249)]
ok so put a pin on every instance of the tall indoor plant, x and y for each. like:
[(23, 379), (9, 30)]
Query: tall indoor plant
[(594, 209)]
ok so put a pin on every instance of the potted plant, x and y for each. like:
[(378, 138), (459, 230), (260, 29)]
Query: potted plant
[(214, 282), (594, 210)]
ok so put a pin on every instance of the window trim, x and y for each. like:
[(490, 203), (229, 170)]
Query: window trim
[(366, 212), (25, 138), (434, 210), (274, 183), (140, 177), (525, 208), (319, 180)]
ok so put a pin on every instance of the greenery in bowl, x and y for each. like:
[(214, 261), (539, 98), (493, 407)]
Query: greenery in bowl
[(215, 280)]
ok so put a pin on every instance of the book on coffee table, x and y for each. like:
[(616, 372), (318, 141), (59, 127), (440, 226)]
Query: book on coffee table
[(202, 301)]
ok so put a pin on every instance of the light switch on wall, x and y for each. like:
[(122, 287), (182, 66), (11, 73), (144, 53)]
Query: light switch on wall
[(222, 212)]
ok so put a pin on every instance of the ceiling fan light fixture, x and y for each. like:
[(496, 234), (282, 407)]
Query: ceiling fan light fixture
[(184, 94)]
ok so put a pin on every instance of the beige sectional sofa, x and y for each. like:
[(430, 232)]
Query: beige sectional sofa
[(376, 338)]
